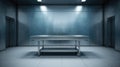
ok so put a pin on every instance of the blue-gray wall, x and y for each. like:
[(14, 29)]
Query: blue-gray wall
[(67, 20), (6, 9), (112, 8)]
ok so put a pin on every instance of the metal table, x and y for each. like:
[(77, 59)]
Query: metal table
[(42, 38)]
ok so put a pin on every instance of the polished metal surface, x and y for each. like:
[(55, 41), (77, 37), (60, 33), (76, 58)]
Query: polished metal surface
[(42, 38), (58, 37), (59, 50)]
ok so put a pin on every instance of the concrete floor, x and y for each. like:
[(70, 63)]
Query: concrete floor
[(92, 57)]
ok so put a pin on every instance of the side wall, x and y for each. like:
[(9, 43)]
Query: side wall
[(113, 9), (6, 9)]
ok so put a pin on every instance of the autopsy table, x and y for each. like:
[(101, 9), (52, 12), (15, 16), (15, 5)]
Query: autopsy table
[(42, 38)]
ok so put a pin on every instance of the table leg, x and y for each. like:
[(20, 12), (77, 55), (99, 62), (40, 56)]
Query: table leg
[(38, 47), (78, 48), (75, 44), (43, 43)]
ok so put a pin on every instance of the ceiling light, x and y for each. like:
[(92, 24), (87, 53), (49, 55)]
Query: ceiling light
[(83, 0), (39, 0)]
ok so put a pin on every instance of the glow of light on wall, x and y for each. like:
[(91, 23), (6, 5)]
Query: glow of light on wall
[(78, 8), (83, 0), (43, 8), (39, 0), (58, 23)]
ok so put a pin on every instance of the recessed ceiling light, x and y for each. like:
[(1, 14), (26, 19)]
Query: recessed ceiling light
[(83, 0), (39, 0)]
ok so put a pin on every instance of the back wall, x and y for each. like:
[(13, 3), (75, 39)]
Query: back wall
[(60, 20)]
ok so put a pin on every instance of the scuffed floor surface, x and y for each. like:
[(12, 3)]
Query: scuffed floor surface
[(90, 57)]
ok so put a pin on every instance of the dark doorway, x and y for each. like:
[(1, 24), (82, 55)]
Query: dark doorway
[(10, 32), (111, 32)]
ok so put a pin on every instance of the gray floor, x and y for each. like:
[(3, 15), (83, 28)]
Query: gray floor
[(92, 57)]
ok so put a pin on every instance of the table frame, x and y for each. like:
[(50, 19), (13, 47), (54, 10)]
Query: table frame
[(40, 46), (42, 38)]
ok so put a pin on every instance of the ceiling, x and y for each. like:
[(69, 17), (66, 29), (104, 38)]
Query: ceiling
[(60, 2)]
